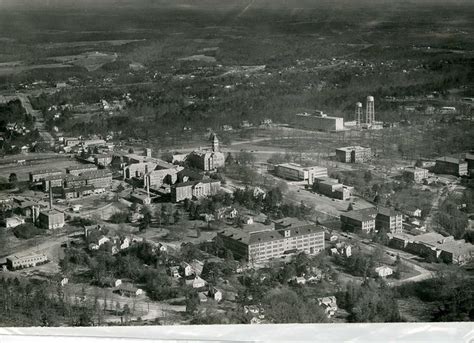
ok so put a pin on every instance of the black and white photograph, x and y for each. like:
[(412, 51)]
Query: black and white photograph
[(250, 162)]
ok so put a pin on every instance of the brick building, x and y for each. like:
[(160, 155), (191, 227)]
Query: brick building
[(50, 219), (451, 165), (293, 171), (415, 174), (332, 188), (353, 154), (194, 189), (289, 237), (318, 121), (79, 169), (39, 175)]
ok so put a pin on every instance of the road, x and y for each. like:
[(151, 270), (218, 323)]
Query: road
[(39, 117)]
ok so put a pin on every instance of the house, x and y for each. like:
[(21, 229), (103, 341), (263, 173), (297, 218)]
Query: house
[(413, 212), (64, 281), (15, 221), (127, 289), (111, 282), (215, 293), (196, 282), (197, 267), (187, 269), (246, 219), (202, 297), (329, 304), (384, 271), (174, 272)]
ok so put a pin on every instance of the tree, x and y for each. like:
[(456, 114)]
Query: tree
[(13, 178), (350, 207), (192, 302)]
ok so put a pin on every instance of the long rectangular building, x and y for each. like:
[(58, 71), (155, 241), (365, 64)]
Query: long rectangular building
[(332, 188), (262, 246), (318, 121), (79, 169), (194, 189), (296, 172), (451, 166), (97, 178), (24, 261), (39, 175)]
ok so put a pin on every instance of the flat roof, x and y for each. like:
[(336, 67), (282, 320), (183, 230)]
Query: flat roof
[(45, 171), (450, 160), (353, 147), (318, 115), (390, 212), (82, 166)]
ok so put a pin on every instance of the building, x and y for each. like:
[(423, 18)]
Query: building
[(54, 181), (39, 175), (434, 246), (51, 219), (329, 304), (129, 290), (102, 160), (451, 165), (15, 262), (470, 163), (196, 282), (293, 171), (207, 159), (156, 178), (79, 169), (290, 236), (332, 188), (318, 121), (77, 192), (95, 178), (12, 222), (353, 154), (413, 212), (389, 220), (384, 271), (194, 189), (215, 293), (361, 220), (415, 174)]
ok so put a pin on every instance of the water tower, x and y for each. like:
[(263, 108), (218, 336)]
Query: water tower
[(370, 110)]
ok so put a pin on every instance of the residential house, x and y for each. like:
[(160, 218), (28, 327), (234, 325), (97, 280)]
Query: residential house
[(196, 282), (329, 304), (384, 271), (129, 290)]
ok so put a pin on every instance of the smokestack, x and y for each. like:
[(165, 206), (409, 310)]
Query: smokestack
[(147, 178), (50, 195)]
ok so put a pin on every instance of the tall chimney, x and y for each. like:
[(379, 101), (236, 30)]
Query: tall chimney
[(50, 195), (147, 185)]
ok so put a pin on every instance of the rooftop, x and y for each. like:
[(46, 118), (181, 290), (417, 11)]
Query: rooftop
[(45, 171), (449, 160), (389, 212), (82, 166), (317, 114), (353, 147)]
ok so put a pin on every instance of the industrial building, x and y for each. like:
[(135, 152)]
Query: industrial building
[(332, 188), (50, 219), (39, 175), (451, 166), (288, 238), (318, 121), (53, 181), (194, 189), (353, 154), (416, 174), (96, 178), (78, 192), (470, 163), (15, 262), (293, 171), (79, 169)]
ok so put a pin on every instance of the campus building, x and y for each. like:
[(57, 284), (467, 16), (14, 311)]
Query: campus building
[(24, 261), (353, 154), (194, 189), (96, 178), (318, 121), (434, 246), (293, 171), (207, 159), (415, 174), (332, 188), (370, 219), (290, 236), (451, 165)]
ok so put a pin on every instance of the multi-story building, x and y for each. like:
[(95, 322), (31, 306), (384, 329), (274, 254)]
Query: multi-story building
[(194, 189), (102, 160), (470, 163), (207, 159), (54, 180), (389, 220), (433, 245), (262, 246), (353, 154), (416, 174), (451, 165), (50, 219), (156, 178), (293, 171), (96, 178), (24, 261), (39, 175), (332, 188), (78, 192), (370, 219), (79, 169), (318, 121), (362, 220)]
